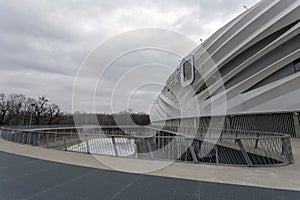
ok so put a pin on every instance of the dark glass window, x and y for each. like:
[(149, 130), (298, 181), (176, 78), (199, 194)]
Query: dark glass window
[(297, 65), (187, 74), (187, 70)]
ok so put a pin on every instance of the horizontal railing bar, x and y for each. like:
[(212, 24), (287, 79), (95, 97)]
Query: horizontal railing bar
[(141, 127), (164, 130), (151, 136)]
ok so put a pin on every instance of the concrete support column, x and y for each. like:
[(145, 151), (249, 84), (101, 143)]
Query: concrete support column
[(158, 139), (228, 122), (296, 124), (195, 126)]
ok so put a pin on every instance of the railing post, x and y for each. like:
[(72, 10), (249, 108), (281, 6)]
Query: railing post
[(28, 138), (195, 127), (87, 144), (135, 147), (236, 135), (149, 148), (23, 137), (114, 145), (296, 124), (283, 146), (16, 136), (39, 138), (191, 149), (3, 134), (201, 133), (287, 150), (33, 138), (19, 137), (55, 135), (65, 142), (244, 152), (257, 139), (47, 141), (217, 154), (10, 136), (228, 122), (158, 139), (192, 152)]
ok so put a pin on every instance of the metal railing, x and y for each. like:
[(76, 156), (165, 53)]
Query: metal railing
[(182, 144), (278, 122)]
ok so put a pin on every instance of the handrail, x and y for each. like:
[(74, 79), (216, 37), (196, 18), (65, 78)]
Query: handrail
[(233, 147), (45, 127)]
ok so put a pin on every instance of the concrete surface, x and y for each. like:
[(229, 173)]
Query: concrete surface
[(287, 177), (29, 178)]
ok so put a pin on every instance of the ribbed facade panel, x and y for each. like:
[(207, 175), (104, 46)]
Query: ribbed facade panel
[(247, 68)]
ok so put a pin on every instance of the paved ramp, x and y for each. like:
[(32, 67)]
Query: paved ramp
[(30, 178)]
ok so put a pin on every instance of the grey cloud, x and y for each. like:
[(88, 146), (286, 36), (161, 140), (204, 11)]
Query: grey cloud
[(43, 43)]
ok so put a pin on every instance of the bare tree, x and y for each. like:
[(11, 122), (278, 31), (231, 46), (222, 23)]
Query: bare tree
[(17, 103), (29, 109), (53, 113), (16, 108), (4, 108), (40, 108)]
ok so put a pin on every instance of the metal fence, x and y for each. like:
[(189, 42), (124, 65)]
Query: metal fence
[(270, 122), (182, 144), (276, 122)]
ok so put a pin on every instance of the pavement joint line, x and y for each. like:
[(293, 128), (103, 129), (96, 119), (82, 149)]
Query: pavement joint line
[(61, 184)]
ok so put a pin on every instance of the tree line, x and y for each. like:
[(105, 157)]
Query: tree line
[(19, 110)]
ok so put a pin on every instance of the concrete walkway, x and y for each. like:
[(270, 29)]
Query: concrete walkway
[(287, 177)]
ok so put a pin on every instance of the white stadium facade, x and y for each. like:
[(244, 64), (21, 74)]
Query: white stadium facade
[(247, 74)]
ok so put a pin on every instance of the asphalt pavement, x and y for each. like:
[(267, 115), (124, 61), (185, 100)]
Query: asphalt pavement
[(29, 178)]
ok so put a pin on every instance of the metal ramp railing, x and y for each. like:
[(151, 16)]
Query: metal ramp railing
[(181, 144)]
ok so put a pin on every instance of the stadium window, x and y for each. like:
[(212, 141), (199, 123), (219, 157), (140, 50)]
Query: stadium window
[(297, 65), (187, 71)]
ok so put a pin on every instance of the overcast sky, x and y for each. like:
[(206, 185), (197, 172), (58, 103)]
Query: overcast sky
[(44, 43)]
